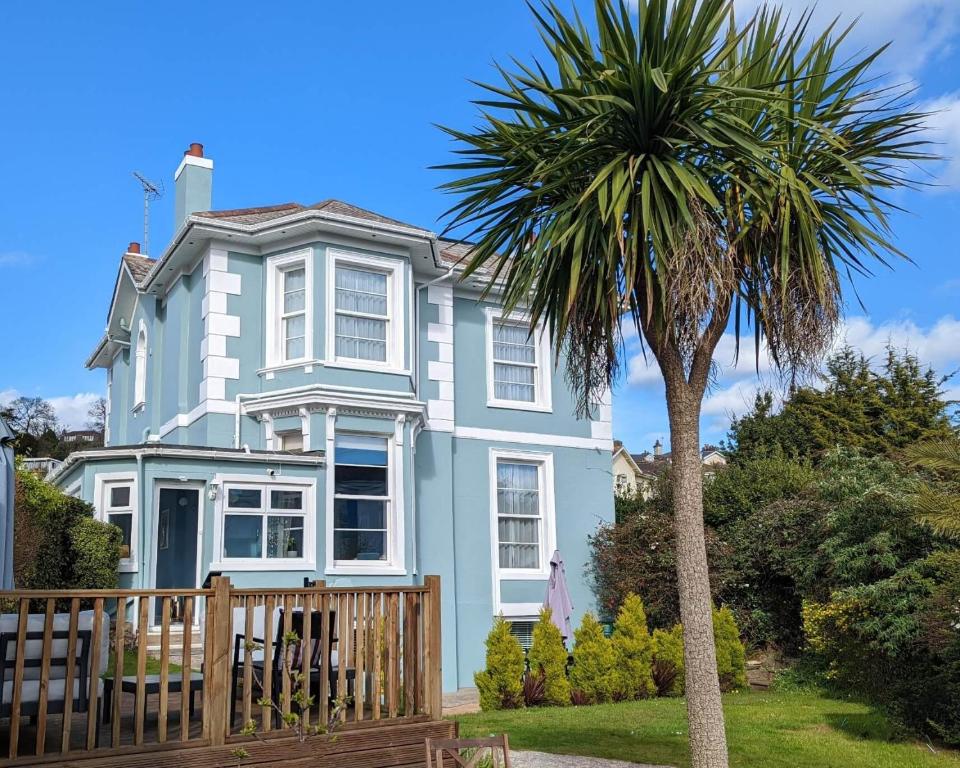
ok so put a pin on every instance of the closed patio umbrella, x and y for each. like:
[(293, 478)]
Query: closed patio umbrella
[(558, 596)]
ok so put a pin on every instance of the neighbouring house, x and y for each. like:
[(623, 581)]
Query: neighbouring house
[(42, 465), (633, 472), (309, 392), (81, 436)]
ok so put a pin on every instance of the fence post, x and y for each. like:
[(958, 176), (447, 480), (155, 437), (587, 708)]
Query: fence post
[(217, 666), (433, 649)]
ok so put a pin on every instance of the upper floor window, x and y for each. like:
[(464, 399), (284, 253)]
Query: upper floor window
[(518, 374), (140, 368), (291, 441), (289, 330), (362, 498), (365, 320)]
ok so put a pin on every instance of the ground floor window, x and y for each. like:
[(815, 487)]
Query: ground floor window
[(265, 522), (523, 514), (361, 498), (116, 501)]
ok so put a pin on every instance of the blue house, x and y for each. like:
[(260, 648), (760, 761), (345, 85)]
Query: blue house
[(312, 392)]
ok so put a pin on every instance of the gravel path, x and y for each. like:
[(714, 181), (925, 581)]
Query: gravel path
[(544, 760)]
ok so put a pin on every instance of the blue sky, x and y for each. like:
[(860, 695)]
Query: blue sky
[(304, 101)]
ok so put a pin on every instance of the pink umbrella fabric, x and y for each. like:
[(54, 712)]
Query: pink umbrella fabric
[(558, 596)]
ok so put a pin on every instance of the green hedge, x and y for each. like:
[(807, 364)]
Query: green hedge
[(57, 542)]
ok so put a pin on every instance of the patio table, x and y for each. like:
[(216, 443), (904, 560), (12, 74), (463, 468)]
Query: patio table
[(151, 685)]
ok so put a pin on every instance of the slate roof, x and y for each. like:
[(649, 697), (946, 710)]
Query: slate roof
[(139, 266), (270, 212)]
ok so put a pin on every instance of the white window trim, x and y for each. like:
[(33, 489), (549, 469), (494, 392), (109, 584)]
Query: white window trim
[(274, 336), (396, 317), (548, 539), (544, 388), (305, 563), (102, 484), (394, 565), (141, 353)]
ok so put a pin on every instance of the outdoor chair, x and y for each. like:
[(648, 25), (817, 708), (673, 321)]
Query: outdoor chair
[(468, 753), (56, 683), (257, 662)]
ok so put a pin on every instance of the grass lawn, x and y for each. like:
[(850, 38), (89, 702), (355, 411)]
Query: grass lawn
[(130, 664), (774, 730)]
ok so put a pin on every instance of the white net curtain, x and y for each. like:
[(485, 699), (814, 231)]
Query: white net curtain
[(518, 510), (361, 309), (514, 363)]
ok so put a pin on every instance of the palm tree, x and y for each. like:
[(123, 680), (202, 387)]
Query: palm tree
[(938, 506), (683, 173)]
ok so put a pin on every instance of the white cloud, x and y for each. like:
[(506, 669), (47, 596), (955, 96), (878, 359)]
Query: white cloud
[(16, 259), (737, 383), (944, 123), (920, 31), (71, 410)]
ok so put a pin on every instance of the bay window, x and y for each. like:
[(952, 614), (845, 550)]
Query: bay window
[(361, 498), (365, 318), (289, 322)]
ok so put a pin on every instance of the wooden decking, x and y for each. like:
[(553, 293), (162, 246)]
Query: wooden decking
[(380, 645)]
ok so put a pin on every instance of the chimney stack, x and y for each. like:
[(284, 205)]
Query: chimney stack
[(658, 448), (133, 248), (194, 184)]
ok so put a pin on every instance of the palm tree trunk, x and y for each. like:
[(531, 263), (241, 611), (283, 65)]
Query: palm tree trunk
[(708, 741)]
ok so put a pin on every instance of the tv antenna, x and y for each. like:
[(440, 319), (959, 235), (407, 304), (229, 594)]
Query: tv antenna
[(151, 191)]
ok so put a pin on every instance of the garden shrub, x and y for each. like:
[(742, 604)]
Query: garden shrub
[(549, 654), (731, 658), (591, 675), (501, 683), (632, 652), (667, 667), (96, 548), (57, 542), (534, 687)]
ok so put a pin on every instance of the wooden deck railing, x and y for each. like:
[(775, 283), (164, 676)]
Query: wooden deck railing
[(363, 654)]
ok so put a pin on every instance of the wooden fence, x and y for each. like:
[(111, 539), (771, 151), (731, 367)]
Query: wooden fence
[(362, 655)]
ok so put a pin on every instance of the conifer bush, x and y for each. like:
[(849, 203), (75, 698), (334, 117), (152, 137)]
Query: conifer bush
[(501, 683), (667, 667), (731, 657), (548, 653), (632, 677), (591, 676)]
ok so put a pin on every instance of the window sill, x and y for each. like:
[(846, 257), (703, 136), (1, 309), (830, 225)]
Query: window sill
[(359, 570), (359, 365), (139, 407), (288, 366), (523, 574), (274, 564), (519, 405)]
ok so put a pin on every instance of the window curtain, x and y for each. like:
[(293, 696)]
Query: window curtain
[(361, 291), (362, 338), (518, 507), (511, 344)]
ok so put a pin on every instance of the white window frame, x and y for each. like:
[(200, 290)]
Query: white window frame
[(394, 565), (276, 266), (140, 367), (307, 562), (396, 317), (548, 517), (103, 483), (543, 390)]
